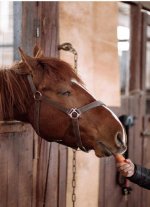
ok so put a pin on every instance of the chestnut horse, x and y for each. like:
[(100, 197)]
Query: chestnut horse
[(48, 94)]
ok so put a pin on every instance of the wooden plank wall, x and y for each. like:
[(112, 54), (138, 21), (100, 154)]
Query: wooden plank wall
[(16, 154), (33, 171), (146, 118), (146, 160), (52, 160), (134, 105), (109, 187)]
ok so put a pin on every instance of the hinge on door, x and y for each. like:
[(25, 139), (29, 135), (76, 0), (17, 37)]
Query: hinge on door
[(36, 28)]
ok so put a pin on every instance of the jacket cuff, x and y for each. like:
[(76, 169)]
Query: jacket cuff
[(136, 174), (141, 177)]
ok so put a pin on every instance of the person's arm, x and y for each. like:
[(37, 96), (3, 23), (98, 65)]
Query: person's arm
[(141, 177), (135, 173)]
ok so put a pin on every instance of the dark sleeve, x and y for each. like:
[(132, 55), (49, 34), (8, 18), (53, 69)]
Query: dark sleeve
[(141, 177)]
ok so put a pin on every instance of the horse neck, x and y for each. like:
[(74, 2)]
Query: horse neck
[(14, 95)]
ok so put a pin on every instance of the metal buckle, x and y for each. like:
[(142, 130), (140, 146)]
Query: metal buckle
[(74, 113), (37, 96)]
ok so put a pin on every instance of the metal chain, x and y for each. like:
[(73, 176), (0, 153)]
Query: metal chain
[(68, 47), (74, 178)]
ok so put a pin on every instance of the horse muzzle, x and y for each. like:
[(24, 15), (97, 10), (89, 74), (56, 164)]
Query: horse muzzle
[(108, 151)]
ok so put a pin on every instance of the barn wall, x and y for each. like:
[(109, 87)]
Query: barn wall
[(16, 164), (91, 28), (50, 173), (32, 171)]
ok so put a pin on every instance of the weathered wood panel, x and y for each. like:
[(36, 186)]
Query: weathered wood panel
[(63, 164), (40, 26), (135, 49), (135, 144), (55, 170), (33, 171), (28, 40), (146, 158), (135, 106), (146, 118), (29, 25), (109, 187), (48, 20), (16, 156)]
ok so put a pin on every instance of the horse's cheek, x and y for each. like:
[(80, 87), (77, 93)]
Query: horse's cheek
[(53, 123)]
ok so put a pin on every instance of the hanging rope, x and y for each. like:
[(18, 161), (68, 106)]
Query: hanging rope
[(68, 47)]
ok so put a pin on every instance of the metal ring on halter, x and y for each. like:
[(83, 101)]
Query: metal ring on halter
[(74, 113), (37, 96)]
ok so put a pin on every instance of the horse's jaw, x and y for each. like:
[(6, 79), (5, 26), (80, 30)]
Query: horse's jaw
[(103, 150)]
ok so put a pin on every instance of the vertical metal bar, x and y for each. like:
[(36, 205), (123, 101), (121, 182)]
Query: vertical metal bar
[(17, 21)]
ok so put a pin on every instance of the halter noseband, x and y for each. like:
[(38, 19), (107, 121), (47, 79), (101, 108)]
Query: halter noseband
[(73, 113)]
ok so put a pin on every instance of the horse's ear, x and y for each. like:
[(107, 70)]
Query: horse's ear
[(29, 61), (37, 52)]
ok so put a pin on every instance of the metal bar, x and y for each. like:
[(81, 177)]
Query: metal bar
[(17, 14), (125, 40), (6, 45), (10, 122)]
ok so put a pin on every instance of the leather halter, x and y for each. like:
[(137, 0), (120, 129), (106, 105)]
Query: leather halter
[(73, 113)]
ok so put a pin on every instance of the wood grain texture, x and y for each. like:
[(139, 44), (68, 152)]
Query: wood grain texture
[(146, 118), (16, 168), (136, 24), (50, 161)]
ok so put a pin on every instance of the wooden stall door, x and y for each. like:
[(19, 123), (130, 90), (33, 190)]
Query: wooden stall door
[(132, 104), (146, 157), (16, 164), (146, 87), (108, 176), (110, 184), (32, 171), (16, 138)]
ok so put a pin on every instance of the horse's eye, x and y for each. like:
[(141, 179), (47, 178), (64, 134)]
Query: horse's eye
[(44, 89), (65, 93)]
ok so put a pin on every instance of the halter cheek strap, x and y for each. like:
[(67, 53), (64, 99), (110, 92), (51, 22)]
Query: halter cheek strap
[(73, 113)]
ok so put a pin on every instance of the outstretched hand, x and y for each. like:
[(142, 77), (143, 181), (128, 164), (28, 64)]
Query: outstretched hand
[(126, 168)]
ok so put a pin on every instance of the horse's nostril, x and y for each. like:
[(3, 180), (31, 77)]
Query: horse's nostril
[(119, 139)]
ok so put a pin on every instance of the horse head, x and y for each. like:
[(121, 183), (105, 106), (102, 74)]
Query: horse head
[(57, 87)]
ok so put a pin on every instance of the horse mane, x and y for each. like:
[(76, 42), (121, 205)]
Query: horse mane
[(59, 70), (14, 90)]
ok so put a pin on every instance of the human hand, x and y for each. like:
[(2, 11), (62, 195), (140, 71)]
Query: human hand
[(126, 168)]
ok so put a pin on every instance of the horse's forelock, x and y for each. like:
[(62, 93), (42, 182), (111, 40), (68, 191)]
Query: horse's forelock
[(60, 69)]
